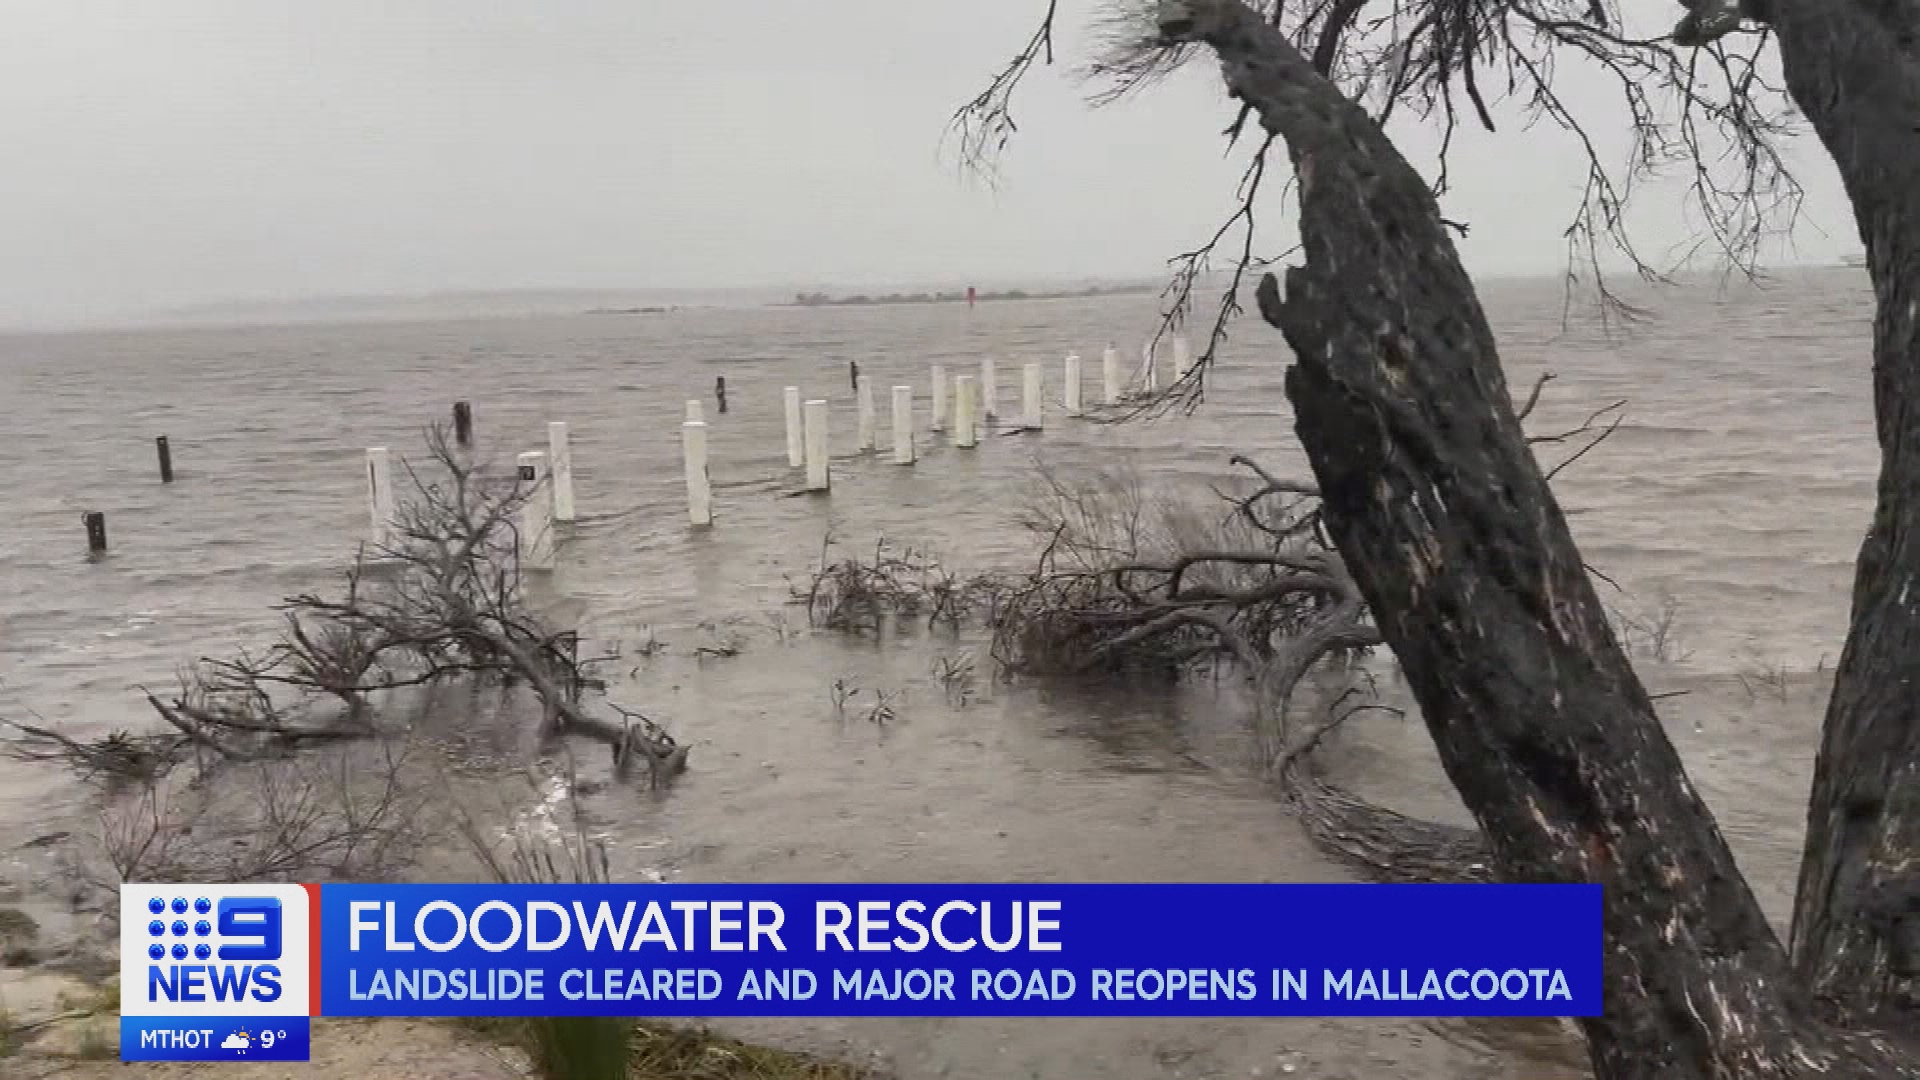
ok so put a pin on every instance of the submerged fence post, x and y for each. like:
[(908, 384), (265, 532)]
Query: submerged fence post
[(903, 425), (536, 513), (1182, 356), (989, 389), (695, 414), (817, 477), (937, 416), (1072, 396), (864, 387), (796, 445), (462, 423), (96, 523), (1032, 409), (166, 459), (693, 447), (720, 392), (1110, 375), (380, 501), (964, 411), (561, 450)]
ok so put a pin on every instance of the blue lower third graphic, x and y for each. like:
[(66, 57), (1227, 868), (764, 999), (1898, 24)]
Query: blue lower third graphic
[(214, 1038)]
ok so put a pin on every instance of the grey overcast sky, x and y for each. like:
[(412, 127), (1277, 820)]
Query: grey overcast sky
[(166, 152)]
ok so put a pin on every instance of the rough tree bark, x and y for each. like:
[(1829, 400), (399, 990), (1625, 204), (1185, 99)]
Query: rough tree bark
[(1854, 68), (1464, 558)]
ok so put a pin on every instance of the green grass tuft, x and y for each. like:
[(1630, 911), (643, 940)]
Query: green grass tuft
[(580, 1047)]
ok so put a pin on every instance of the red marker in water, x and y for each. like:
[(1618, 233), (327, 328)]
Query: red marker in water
[(970, 296)]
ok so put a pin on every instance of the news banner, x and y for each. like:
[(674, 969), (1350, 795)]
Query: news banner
[(236, 972)]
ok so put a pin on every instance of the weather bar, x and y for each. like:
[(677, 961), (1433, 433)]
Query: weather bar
[(215, 1038)]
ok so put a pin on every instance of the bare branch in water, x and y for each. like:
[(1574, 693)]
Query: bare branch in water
[(444, 601)]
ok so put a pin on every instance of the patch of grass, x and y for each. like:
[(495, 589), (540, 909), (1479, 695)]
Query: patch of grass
[(103, 997), (94, 1045), (584, 1048)]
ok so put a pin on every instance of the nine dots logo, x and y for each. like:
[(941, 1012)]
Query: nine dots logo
[(178, 938), (212, 972)]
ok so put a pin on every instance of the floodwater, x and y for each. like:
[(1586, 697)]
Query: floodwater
[(1732, 500)]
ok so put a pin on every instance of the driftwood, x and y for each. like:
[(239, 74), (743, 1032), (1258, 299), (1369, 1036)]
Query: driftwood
[(443, 601)]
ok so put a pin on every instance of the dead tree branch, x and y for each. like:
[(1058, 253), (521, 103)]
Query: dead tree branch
[(445, 600), (1708, 110)]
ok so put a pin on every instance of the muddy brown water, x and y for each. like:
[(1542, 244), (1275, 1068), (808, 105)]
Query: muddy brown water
[(1733, 498)]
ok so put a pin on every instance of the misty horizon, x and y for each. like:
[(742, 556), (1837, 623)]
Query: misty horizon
[(211, 156)]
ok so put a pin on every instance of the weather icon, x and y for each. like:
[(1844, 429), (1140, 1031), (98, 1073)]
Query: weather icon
[(239, 1040)]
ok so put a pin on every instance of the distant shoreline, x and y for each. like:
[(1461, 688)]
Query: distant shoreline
[(820, 299)]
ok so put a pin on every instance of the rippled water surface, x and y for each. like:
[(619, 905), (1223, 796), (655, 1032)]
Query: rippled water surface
[(1732, 499)]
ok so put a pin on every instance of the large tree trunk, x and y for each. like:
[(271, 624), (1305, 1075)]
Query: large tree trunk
[(1856, 928), (1448, 526)]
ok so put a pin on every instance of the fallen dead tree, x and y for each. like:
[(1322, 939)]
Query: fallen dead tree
[(444, 601), (1143, 583), (1125, 584)]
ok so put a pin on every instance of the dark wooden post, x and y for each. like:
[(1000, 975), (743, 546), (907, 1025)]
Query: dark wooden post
[(853, 374), (720, 392), (96, 523), (166, 459), (462, 423)]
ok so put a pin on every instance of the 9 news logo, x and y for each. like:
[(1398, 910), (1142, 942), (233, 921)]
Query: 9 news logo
[(205, 958), (253, 920)]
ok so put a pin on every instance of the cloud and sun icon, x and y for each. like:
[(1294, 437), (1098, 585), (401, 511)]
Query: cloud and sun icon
[(240, 1040)]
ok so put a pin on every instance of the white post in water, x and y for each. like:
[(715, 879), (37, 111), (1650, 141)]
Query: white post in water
[(1110, 375), (1182, 357), (693, 447), (1149, 368), (561, 452), (536, 513), (380, 495), (937, 419), (903, 425), (1031, 387), (866, 414), (695, 414), (1073, 386), (796, 443), (989, 389), (964, 411), (817, 446)]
